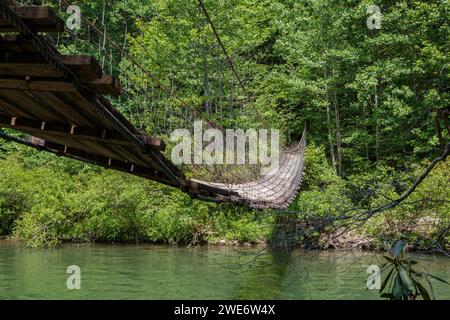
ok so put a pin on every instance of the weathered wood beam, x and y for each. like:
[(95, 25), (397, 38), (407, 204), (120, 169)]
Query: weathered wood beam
[(24, 70), (15, 43), (38, 18), (21, 57), (106, 162), (107, 84), (81, 133), (12, 110), (61, 150), (37, 85), (25, 101), (85, 67), (61, 105), (31, 65)]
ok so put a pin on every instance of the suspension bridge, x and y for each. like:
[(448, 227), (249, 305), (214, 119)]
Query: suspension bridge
[(62, 103)]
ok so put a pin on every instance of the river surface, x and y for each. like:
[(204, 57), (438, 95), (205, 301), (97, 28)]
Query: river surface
[(166, 272)]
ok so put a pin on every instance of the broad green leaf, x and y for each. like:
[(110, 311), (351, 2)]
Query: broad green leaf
[(385, 282), (422, 290), (438, 279), (397, 291), (406, 280)]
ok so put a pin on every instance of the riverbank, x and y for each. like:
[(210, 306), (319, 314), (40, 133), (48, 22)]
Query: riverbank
[(345, 244)]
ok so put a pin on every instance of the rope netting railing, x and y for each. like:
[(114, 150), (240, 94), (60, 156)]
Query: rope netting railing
[(149, 99), (153, 98)]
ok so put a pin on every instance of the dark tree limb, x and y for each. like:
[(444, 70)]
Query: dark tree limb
[(419, 180), (364, 216)]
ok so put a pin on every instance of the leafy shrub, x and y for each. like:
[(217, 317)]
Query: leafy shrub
[(57, 201)]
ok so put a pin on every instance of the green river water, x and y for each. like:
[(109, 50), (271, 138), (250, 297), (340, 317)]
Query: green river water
[(167, 272)]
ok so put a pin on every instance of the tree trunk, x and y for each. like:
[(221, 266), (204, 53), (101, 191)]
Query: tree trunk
[(338, 139), (338, 132), (366, 145), (438, 129), (445, 117), (207, 93), (377, 128), (330, 137)]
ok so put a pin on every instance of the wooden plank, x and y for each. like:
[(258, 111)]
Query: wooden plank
[(68, 141), (38, 70), (101, 149), (63, 130), (21, 57), (85, 67), (73, 97), (8, 108), (65, 109), (32, 65), (61, 150), (46, 85), (42, 78), (11, 100), (38, 15), (80, 103), (26, 101), (123, 153), (155, 143), (71, 142), (38, 18), (16, 43), (67, 114), (37, 85), (107, 84), (135, 156), (149, 173), (95, 147)]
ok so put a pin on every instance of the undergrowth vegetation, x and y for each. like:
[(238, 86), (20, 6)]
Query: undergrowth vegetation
[(46, 200)]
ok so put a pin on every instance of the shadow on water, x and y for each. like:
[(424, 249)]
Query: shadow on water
[(264, 277), (268, 273)]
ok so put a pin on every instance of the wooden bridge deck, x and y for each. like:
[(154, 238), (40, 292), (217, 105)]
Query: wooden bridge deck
[(58, 100)]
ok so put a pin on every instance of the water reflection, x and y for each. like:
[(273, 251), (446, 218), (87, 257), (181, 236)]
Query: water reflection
[(165, 272)]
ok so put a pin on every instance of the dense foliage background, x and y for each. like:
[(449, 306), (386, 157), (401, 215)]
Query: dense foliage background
[(376, 102)]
